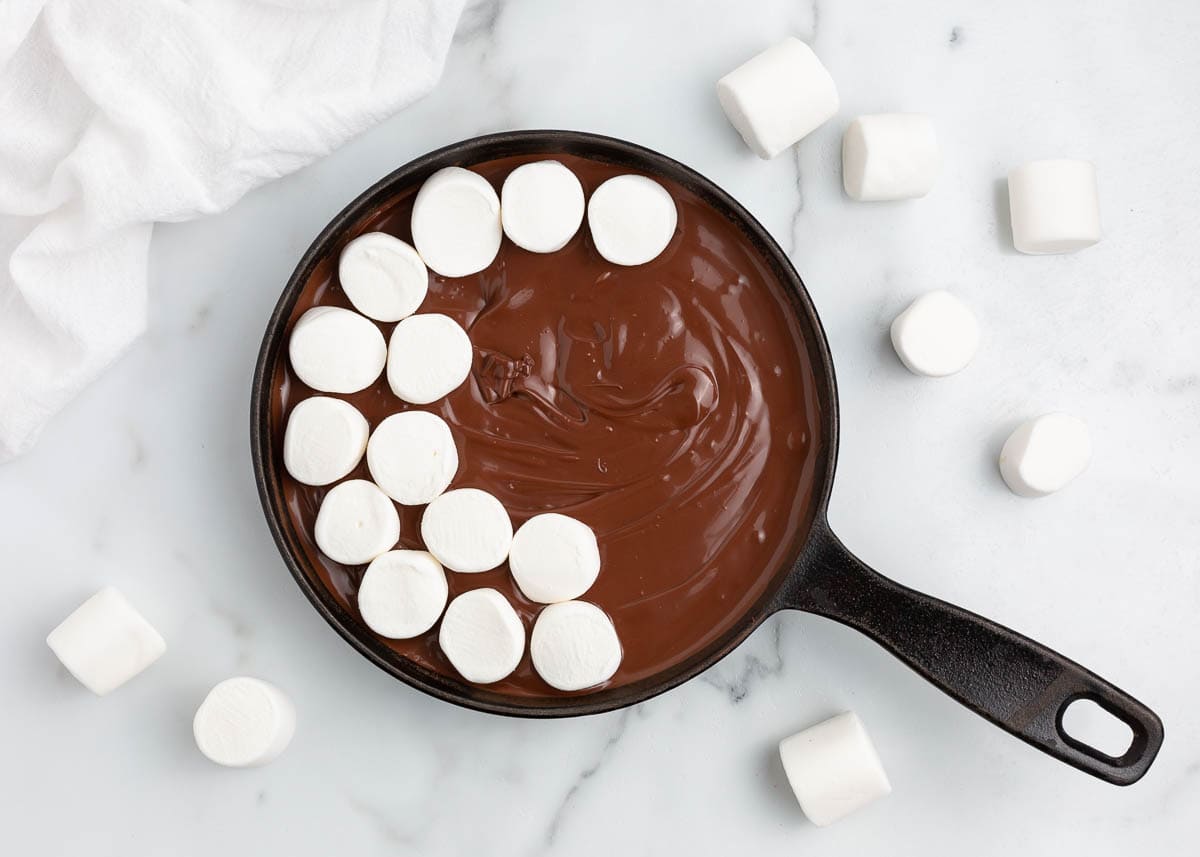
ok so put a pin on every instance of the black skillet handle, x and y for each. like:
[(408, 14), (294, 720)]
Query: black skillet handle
[(1021, 686)]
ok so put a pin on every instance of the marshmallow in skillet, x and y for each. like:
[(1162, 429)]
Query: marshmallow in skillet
[(105, 642), (429, 356), (412, 457), (324, 440), (456, 222), (1055, 206), (335, 350), (402, 594), (541, 206), (356, 523), (554, 558), (482, 636), (778, 97), (833, 769), (244, 722), (468, 530), (632, 219), (1044, 454), (383, 276), (888, 156), (937, 335), (574, 646)]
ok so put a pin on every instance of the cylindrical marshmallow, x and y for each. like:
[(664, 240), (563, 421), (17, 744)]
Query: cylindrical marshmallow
[(1044, 454), (482, 636), (429, 356), (402, 594), (574, 646), (456, 222), (554, 558), (324, 440), (833, 769), (778, 97), (937, 335), (105, 642), (356, 523), (541, 206), (889, 156), (244, 722), (412, 457), (631, 219), (335, 350), (1055, 206), (468, 530), (383, 276)]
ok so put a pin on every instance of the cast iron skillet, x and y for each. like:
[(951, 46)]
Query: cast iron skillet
[(1017, 684)]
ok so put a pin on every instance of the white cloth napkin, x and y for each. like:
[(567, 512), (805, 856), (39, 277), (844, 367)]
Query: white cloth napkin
[(115, 114)]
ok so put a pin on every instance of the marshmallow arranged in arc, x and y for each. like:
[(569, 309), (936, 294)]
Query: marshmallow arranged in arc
[(936, 335), (105, 642), (244, 722), (356, 523), (467, 529), (887, 156), (412, 457), (324, 440), (554, 558), (383, 276), (574, 646), (541, 206), (402, 594), (1044, 454), (482, 636), (778, 97), (631, 219), (1054, 205), (429, 356), (335, 350), (833, 769), (456, 222)]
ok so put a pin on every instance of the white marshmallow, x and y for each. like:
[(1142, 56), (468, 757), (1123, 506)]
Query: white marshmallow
[(937, 335), (356, 523), (1044, 454), (412, 457), (554, 558), (335, 350), (456, 222), (383, 276), (402, 594), (1055, 206), (468, 530), (105, 642), (574, 646), (889, 156), (244, 722), (833, 769), (324, 440), (632, 219), (541, 206), (778, 97), (482, 636), (429, 356)]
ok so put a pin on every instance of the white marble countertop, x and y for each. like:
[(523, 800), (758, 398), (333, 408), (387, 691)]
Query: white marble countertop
[(145, 482)]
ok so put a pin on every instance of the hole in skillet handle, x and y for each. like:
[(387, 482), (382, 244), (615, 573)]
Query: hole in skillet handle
[(1090, 725)]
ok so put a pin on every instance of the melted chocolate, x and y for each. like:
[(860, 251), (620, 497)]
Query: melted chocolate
[(669, 406)]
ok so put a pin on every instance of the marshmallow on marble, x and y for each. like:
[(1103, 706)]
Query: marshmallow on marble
[(412, 457), (383, 276), (335, 350), (937, 335), (324, 440), (778, 97), (574, 646), (105, 642), (244, 722), (402, 594), (887, 156), (456, 222), (833, 769), (429, 356), (482, 636), (1044, 454), (554, 558), (356, 523), (541, 206), (468, 530), (631, 219), (1055, 206)]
